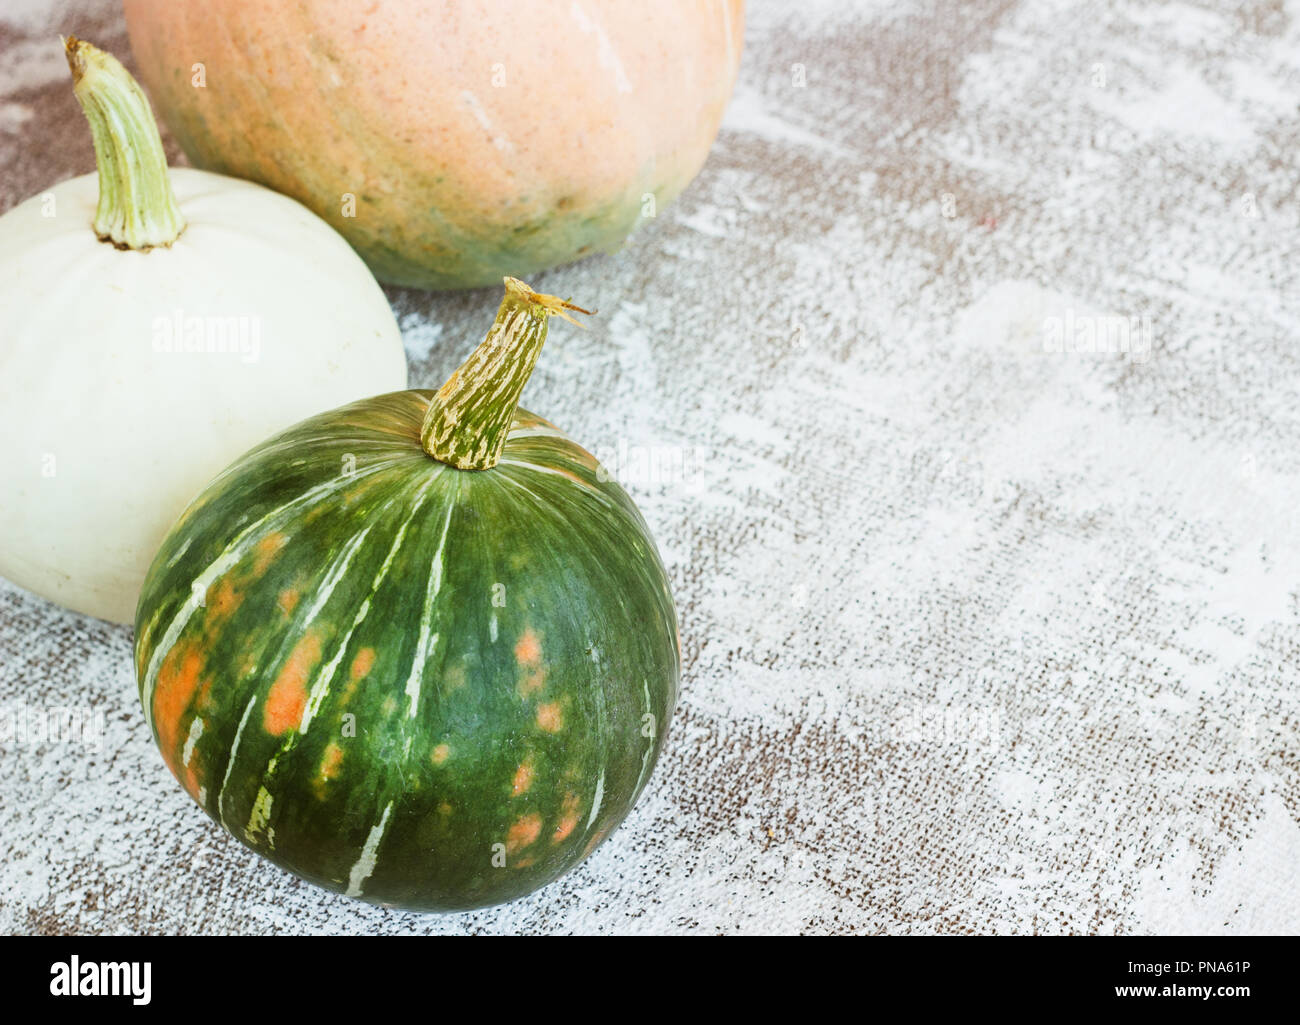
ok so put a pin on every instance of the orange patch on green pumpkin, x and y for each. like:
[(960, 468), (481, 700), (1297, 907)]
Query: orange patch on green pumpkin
[(568, 820), (222, 599), (331, 761), (523, 833), (550, 717), (266, 551), (441, 753), (363, 663), (288, 697), (288, 600), (178, 679), (523, 778), (528, 650)]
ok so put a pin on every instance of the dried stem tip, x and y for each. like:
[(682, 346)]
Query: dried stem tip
[(470, 416)]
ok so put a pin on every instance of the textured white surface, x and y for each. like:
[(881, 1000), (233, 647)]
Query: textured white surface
[(977, 636)]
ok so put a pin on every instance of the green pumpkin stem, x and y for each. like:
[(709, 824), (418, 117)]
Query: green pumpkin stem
[(137, 208), (469, 418)]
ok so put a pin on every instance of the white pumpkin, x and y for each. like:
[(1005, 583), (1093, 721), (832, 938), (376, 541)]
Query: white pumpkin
[(129, 377)]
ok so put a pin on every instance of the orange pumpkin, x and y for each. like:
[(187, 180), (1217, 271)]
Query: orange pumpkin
[(450, 143)]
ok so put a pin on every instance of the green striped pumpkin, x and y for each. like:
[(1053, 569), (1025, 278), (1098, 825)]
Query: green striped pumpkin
[(418, 650)]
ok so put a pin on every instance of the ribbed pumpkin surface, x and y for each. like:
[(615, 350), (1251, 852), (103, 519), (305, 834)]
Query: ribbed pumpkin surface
[(422, 686)]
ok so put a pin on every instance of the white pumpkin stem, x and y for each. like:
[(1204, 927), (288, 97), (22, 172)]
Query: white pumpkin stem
[(470, 416), (137, 208)]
